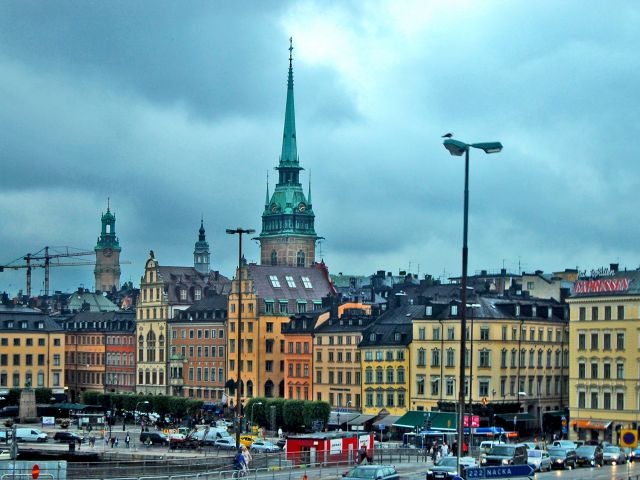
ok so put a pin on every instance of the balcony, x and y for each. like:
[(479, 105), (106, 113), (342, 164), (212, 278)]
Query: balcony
[(176, 382)]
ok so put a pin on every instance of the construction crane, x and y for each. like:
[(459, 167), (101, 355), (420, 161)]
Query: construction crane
[(43, 259)]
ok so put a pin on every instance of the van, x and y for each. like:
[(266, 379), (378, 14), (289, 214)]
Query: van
[(485, 446), (506, 454), (30, 435), (208, 436)]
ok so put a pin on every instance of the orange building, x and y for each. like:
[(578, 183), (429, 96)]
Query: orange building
[(298, 356)]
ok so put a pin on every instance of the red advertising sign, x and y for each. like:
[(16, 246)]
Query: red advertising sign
[(475, 421), (601, 285)]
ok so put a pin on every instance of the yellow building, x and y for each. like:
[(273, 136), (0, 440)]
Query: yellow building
[(31, 350), (386, 358), (604, 334), (270, 294), (514, 359), (337, 364)]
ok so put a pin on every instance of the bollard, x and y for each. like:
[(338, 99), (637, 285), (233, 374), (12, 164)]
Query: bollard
[(304, 477)]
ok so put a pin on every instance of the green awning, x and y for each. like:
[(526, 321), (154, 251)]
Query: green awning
[(69, 406), (417, 419), (519, 417)]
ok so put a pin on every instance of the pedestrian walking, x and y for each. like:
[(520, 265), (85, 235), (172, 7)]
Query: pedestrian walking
[(127, 440)]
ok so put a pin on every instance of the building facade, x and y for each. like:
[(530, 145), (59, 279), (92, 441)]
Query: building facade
[(199, 350), (270, 295), (31, 350), (337, 363), (288, 235), (604, 390), (165, 290), (107, 271)]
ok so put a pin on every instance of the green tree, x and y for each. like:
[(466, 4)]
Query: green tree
[(43, 395), (316, 411), (293, 415)]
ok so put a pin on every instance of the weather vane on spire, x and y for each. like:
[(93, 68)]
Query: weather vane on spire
[(290, 50)]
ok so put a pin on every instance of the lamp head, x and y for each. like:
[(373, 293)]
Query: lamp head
[(455, 147), (488, 147)]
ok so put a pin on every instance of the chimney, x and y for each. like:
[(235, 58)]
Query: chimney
[(483, 272), (503, 271), (614, 267), (401, 299)]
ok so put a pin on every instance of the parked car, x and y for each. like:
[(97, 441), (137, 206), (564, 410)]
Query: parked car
[(634, 454), (263, 446), (447, 468), (565, 444), (589, 456), (154, 438), (613, 455), (5, 454), (30, 435), (539, 460), (209, 435), (67, 437), (505, 454), (11, 411), (564, 458), (227, 443), (374, 472)]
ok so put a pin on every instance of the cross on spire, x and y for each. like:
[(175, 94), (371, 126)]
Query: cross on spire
[(290, 51)]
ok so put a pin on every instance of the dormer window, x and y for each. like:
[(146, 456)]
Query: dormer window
[(372, 337), (306, 282), (517, 310), (290, 282), (428, 311), (25, 325), (397, 336), (454, 310), (198, 294), (183, 294), (275, 283)]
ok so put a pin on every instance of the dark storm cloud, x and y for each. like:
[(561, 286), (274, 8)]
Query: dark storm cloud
[(175, 110)]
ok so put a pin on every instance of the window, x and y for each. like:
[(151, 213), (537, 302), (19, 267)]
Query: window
[(582, 370), (284, 306), (183, 294), (620, 401), (275, 283), (16, 342), (368, 375), (379, 375), (451, 358), (274, 257), (300, 258), (389, 375), (484, 333), (269, 346), (420, 386), (450, 333), (594, 370), (435, 387), (606, 373), (607, 313), (422, 357), (290, 282), (620, 370), (594, 340), (606, 341), (620, 341), (422, 333), (302, 307), (485, 358), (268, 308), (620, 312), (436, 333), (594, 313), (435, 357), (606, 401), (400, 375), (594, 400), (582, 399), (306, 282), (582, 341), (582, 314)]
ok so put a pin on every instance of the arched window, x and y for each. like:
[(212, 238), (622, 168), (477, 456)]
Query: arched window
[(274, 257), (151, 347), (300, 258), (368, 375), (389, 374), (250, 388), (141, 349), (268, 389)]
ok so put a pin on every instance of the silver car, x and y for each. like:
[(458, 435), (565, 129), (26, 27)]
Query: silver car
[(264, 446), (614, 455), (540, 460)]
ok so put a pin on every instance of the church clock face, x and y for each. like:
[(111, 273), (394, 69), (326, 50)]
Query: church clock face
[(274, 208), (108, 252), (302, 207)]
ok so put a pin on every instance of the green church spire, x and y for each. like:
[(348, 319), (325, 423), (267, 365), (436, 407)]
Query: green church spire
[(289, 154)]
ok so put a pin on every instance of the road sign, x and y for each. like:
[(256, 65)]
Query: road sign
[(629, 438), (507, 471)]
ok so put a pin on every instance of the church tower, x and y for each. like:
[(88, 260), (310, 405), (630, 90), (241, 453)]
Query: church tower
[(288, 236), (107, 271), (201, 252)]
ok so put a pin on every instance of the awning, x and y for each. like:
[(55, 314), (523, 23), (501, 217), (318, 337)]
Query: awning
[(387, 421), (340, 418), (361, 420), (591, 424), (519, 417), (69, 406), (418, 419), (489, 431)]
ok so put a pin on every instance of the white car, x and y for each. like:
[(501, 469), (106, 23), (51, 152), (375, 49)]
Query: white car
[(228, 443), (5, 455)]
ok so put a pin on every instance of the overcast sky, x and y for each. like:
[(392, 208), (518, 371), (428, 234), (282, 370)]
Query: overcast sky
[(175, 110)]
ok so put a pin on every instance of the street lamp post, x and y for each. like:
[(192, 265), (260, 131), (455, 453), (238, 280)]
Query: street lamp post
[(239, 231), (458, 148), (143, 402), (252, 407), (349, 403), (338, 417)]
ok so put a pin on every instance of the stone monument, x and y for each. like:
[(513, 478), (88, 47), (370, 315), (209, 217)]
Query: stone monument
[(28, 411)]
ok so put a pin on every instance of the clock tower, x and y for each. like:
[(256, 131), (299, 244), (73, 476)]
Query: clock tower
[(288, 236), (107, 271)]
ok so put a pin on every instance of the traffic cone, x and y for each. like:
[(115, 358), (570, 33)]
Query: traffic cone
[(304, 477)]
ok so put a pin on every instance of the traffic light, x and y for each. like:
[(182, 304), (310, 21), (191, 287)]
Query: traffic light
[(428, 423)]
